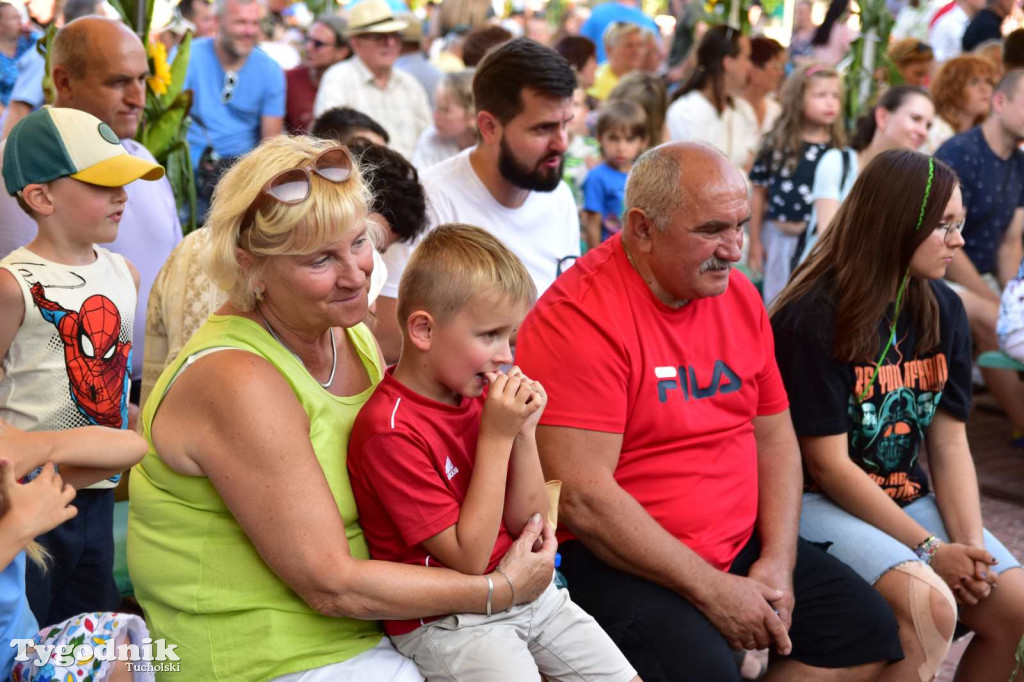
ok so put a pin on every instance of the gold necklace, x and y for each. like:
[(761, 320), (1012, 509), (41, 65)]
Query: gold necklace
[(334, 351), (629, 257)]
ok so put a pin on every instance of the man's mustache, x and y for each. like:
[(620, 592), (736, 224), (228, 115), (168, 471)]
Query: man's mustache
[(714, 263)]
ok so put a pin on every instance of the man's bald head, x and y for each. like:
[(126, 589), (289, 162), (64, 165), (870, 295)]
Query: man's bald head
[(664, 179), (75, 45), (686, 207), (98, 65)]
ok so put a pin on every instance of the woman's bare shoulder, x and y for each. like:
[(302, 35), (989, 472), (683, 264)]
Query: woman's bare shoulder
[(227, 401)]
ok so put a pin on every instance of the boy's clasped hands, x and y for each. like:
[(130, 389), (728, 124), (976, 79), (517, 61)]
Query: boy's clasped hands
[(514, 404)]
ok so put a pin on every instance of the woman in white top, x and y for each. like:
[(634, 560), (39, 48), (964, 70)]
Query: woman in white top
[(900, 120), (454, 126), (705, 108), (962, 92)]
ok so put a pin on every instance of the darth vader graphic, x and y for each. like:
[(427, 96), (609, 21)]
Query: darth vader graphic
[(889, 435)]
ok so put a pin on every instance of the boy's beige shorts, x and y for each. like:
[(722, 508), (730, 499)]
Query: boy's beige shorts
[(551, 634)]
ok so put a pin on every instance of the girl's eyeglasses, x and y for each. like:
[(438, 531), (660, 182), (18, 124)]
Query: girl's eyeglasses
[(293, 186), (949, 229)]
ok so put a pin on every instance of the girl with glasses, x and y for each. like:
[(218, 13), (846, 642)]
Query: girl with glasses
[(875, 353)]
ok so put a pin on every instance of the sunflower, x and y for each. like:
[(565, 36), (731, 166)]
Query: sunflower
[(161, 78)]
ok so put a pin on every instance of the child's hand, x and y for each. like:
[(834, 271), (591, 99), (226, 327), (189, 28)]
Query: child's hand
[(508, 404), (755, 257), (37, 506), (538, 399), (12, 447)]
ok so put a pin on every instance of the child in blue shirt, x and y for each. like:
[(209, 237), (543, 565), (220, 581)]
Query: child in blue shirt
[(27, 511), (622, 134)]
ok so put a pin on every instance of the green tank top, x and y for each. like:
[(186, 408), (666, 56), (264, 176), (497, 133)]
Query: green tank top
[(200, 580)]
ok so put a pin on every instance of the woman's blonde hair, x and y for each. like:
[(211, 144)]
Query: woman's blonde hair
[(330, 211), (786, 136)]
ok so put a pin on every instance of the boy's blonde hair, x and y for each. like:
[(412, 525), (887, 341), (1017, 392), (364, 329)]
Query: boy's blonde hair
[(453, 264), (330, 211)]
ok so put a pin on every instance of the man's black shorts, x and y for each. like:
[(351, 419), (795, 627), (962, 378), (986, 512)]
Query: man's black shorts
[(839, 620)]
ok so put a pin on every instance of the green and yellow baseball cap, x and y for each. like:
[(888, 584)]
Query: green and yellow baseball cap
[(54, 143)]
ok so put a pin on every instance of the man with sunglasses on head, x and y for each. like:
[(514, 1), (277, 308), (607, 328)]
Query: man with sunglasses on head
[(371, 83), (238, 94), (325, 47), (99, 66), (990, 166)]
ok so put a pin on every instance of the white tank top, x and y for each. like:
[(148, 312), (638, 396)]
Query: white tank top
[(70, 362)]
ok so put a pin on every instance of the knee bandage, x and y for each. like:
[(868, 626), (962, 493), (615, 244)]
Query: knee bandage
[(922, 580)]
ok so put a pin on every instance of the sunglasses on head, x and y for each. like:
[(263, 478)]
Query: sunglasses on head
[(230, 81), (293, 186), (317, 44)]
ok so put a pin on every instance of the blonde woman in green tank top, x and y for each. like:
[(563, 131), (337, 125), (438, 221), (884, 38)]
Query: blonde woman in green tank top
[(244, 543)]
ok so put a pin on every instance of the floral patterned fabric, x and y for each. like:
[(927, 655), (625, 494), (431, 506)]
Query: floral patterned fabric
[(93, 629)]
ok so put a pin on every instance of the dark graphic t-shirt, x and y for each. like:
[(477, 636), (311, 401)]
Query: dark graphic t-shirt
[(886, 429)]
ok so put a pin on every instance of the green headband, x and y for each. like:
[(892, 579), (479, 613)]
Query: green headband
[(903, 286)]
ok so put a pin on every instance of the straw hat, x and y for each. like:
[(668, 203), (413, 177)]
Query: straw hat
[(373, 16)]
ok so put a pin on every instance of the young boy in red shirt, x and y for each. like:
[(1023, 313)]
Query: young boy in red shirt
[(441, 472)]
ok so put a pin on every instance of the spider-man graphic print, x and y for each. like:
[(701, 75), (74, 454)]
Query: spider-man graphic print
[(95, 358)]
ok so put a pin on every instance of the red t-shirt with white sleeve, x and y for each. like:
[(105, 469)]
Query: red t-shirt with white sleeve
[(682, 386), (410, 461)]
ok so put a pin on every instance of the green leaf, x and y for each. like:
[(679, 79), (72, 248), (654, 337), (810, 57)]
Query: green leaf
[(147, 23), (43, 48), (122, 10), (164, 130), (179, 67)]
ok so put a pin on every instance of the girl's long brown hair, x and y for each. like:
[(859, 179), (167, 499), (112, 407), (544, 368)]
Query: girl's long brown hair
[(786, 135), (863, 254)]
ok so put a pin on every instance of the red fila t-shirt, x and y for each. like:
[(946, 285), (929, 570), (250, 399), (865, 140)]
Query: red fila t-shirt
[(681, 385), (410, 460)]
